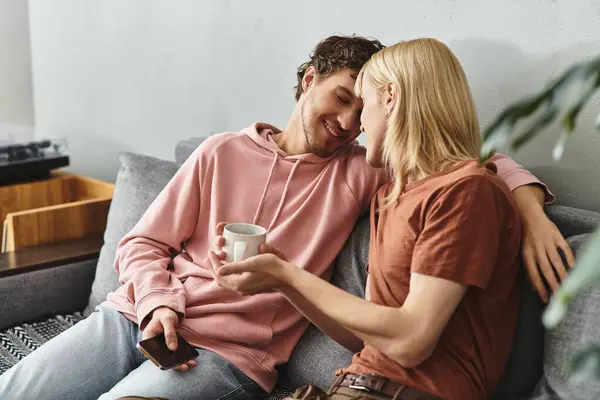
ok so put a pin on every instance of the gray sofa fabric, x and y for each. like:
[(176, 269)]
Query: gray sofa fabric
[(140, 179), (572, 221), (580, 328), (186, 147), (37, 294)]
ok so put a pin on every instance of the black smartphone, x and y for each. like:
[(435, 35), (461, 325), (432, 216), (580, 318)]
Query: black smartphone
[(156, 350)]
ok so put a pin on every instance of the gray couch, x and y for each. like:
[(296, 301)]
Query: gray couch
[(35, 306)]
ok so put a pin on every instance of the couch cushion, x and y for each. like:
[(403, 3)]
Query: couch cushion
[(579, 329), (140, 179), (186, 147), (572, 221), (316, 357)]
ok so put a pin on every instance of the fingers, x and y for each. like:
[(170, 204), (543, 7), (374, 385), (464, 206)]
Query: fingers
[(546, 269), (170, 335), (534, 274), (557, 262), (153, 328), (214, 261), (567, 251), (186, 366), (221, 227), (231, 269), (220, 242), (267, 248)]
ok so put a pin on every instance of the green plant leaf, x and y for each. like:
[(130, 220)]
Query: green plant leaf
[(590, 87), (585, 365), (539, 122), (585, 274), (554, 96)]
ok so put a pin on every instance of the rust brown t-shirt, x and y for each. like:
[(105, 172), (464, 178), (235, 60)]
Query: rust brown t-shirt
[(461, 225)]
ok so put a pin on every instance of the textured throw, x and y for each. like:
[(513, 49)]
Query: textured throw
[(17, 342)]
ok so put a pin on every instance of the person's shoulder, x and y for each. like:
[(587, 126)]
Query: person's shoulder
[(218, 142), (472, 180), (218, 139)]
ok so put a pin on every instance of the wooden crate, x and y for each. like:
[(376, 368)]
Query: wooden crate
[(64, 206)]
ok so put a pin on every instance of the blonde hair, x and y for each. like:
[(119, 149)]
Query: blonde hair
[(433, 123)]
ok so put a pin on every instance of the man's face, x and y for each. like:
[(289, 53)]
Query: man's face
[(330, 112)]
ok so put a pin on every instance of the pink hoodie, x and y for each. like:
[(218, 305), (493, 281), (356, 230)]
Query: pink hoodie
[(309, 205)]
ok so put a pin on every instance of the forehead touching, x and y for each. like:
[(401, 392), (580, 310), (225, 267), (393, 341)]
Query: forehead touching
[(364, 86), (343, 82)]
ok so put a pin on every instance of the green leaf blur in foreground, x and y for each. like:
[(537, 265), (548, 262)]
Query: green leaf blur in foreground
[(544, 108), (585, 274)]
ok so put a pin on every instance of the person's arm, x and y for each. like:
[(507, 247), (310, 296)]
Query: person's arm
[(144, 256), (326, 324), (408, 335), (541, 238)]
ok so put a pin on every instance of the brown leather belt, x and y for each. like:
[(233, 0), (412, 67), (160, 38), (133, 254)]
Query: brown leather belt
[(381, 385)]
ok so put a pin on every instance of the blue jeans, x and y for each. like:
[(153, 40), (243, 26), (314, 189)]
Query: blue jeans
[(98, 358)]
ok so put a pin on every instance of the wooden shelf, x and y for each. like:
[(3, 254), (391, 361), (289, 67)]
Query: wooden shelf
[(49, 255), (64, 206)]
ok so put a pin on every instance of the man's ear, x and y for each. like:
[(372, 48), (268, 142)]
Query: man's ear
[(390, 96), (309, 77)]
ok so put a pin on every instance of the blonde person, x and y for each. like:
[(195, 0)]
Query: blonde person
[(442, 293)]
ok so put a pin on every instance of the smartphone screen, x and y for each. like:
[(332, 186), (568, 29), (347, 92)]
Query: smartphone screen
[(155, 349)]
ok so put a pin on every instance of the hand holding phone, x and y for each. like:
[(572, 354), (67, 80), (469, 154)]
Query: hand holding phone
[(156, 350)]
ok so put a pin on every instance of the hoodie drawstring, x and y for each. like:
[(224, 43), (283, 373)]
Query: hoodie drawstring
[(285, 189), (264, 194), (283, 195)]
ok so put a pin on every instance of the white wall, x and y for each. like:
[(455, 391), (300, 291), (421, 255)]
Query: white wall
[(140, 75), (16, 100)]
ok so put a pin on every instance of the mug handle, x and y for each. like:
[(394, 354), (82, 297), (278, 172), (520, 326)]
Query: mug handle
[(239, 250)]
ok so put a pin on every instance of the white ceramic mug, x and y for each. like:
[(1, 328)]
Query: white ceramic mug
[(243, 241)]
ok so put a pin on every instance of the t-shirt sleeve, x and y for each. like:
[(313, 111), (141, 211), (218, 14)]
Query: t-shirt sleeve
[(460, 236)]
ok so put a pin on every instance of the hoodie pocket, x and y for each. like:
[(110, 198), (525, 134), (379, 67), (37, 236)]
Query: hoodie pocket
[(219, 314), (266, 317)]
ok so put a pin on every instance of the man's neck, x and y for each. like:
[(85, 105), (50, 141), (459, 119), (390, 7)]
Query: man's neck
[(292, 140)]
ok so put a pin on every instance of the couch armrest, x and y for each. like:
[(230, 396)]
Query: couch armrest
[(45, 280)]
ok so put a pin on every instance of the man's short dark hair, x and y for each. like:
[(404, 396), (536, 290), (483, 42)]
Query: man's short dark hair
[(336, 53)]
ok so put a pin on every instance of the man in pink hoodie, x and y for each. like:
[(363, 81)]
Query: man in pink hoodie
[(307, 185)]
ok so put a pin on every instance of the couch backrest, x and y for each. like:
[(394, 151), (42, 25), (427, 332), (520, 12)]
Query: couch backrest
[(186, 147)]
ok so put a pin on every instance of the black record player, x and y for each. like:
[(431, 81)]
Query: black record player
[(34, 160)]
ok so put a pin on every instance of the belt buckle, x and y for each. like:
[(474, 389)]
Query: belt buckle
[(359, 387)]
